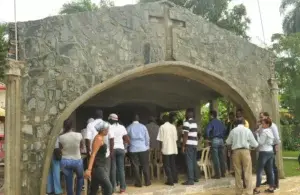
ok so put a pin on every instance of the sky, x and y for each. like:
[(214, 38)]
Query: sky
[(37, 9)]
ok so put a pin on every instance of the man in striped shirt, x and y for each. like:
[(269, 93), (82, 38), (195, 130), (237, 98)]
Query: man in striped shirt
[(189, 147)]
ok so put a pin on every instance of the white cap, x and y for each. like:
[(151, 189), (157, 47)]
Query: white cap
[(113, 117)]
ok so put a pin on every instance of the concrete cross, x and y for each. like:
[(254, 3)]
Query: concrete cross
[(168, 24)]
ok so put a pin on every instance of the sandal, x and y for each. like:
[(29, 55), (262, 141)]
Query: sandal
[(255, 191), (269, 190)]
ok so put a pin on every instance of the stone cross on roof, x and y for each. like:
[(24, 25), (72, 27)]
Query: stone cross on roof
[(168, 23)]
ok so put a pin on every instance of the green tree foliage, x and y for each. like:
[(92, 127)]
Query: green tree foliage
[(291, 11), (3, 49), (83, 6), (287, 48), (218, 12)]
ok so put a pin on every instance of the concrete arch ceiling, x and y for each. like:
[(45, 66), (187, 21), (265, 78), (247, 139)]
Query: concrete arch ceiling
[(170, 92), (181, 69)]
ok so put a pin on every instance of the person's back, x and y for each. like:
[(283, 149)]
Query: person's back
[(240, 138), (70, 142), (119, 131), (138, 137), (153, 128), (71, 159), (168, 136)]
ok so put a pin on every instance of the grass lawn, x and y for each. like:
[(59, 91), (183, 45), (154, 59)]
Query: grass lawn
[(290, 166), (290, 153)]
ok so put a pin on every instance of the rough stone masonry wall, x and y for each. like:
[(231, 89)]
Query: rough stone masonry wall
[(67, 55)]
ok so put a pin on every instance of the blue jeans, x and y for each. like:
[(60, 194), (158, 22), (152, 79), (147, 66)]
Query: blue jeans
[(191, 162), (53, 183), (217, 153), (117, 169), (69, 166), (265, 159)]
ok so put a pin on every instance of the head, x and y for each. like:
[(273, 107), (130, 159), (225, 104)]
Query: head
[(152, 119), (266, 123), (165, 118), (231, 116), (102, 128), (99, 114), (189, 113), (263, 115), (136, 117), (213, 114), (172, 117), (239, 113), (67, 125), (240, 121), (113, 118)]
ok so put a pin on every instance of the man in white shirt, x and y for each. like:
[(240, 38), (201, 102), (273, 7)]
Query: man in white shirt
[(92, 132), (167, 136), (241, 139), (117, 162), (84, 135), (277, 141)]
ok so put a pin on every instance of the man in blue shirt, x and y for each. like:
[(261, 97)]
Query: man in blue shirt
[(215, 132), (139, 150)]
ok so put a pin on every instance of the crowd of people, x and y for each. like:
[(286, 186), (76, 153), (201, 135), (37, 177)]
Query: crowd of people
[(97, 153)]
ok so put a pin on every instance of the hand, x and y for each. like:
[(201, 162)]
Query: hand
[(276, 148), (87, 174), (207, 143), (183, 149)]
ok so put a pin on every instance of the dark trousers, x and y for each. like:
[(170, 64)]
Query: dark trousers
[(217, 153), (275, 171), (117, 169), (265, 159), (170, 168), (191, 163), (100, 178), (140, 159)]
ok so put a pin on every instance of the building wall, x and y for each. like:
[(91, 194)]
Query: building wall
[(68, 55)]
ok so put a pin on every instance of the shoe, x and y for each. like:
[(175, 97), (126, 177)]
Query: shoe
[(255, 191), (148, 184), (187, 183), (169, 184), (216, 177), (223, 175), (83, 188), (196, 180), (122, 191), (269, 191), (176, 181), (276, 189), (264, 183), (138, 185)]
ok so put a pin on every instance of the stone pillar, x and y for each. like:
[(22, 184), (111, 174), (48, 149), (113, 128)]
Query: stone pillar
[(213, 105), (198, 115), (276, 119), (12, 173)]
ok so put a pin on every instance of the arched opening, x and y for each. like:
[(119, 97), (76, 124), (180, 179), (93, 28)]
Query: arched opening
[(191, 81)]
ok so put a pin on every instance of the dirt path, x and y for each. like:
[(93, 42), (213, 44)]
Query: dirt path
[(290, 186)]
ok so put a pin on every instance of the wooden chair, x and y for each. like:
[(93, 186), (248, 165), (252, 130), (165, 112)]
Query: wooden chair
[(151, 162), (203, 163), (127, 164)]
